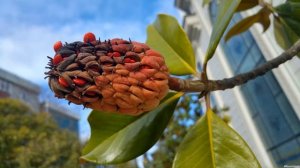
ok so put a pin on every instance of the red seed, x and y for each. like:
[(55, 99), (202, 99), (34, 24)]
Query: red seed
[(57, 46), (129, 60), (79, 81), (57, 59), (63, 82), (116, 54), (89, 37)]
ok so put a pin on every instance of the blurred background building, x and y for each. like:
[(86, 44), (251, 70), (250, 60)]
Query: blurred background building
[(62, 116), (265, 111), (15, 87)]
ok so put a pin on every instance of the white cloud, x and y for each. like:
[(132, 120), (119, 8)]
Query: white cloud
[(28, 30), (24, 51)]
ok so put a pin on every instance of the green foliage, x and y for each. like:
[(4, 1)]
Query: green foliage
[(293, 1), (33, 140), (225, 13), (187, 111), (105, 125), (289, 10), (167, 36), (205, 2), (287, 24), (286, 21), (212, 143), (284, 35), (118, 138), (12, 106)]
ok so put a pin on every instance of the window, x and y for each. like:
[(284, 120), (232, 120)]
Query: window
[(275, 118), (64, 121), (194, 33)]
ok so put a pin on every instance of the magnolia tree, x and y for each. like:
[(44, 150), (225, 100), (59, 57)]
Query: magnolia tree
[(133, 88)]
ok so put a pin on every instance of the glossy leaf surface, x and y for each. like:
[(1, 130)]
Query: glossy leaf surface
[(225, 11), (167, 36), (118, 138), (212, 143)]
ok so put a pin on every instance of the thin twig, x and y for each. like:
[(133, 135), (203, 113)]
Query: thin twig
[(227, 83)]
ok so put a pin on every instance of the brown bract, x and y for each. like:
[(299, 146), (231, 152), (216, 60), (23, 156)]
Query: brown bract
[(113, 75)]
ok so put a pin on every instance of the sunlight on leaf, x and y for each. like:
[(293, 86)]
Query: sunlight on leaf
[(167, 36), (212, 143), (226, 10)]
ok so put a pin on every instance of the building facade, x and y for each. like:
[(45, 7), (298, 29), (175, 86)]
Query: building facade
[(16, 87), (62, 117), (13, 86), (265, 111)]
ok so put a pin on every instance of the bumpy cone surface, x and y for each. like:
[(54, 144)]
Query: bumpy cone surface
[(113, 75)]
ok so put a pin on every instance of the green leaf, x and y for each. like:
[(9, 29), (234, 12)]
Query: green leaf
[(247, 4), (293, 1), (287, 24), (261, 17), (205, 2), (103, 125), (226, 10), (284, 34), (167, 36), (290, 13), (212, 143), (118, 138), (289, 9)]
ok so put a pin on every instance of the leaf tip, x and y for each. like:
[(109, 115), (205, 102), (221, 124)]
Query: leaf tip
[(227, 37)]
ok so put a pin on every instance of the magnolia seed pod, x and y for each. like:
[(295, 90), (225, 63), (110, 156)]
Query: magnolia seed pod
[(114, 75)]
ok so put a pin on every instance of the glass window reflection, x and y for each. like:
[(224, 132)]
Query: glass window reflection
[(271, 111)]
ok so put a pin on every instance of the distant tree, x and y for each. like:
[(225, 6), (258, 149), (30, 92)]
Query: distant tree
[(129, 164), (30, 139)]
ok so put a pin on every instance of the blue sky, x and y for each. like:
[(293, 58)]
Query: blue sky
[(29, 28)]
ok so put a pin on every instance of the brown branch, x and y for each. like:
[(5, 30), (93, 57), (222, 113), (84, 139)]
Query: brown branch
[(227, 83)]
